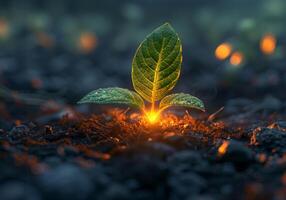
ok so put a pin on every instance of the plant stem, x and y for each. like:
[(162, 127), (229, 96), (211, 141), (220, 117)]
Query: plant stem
[(153, 106)]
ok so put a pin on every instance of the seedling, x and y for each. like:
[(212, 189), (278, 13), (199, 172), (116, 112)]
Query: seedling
[(156, 69)]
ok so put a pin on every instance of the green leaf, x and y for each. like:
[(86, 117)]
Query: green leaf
[(181, 99), (113, 95), (157, 63)]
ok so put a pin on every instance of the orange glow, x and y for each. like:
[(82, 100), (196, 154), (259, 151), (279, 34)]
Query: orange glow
[(223, 51), (268, 44), (236, 58), (167, 124), (153, 116), (87, 42), (223, 148)]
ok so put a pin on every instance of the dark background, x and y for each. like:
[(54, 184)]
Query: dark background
[(53, 52), (40, 52)]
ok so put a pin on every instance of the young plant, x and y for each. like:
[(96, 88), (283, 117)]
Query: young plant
[(156, 69)]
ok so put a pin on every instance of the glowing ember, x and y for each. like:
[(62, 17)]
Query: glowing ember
[(268, 44), (236, 58), (223, 51), (153, 116), (223, 148)]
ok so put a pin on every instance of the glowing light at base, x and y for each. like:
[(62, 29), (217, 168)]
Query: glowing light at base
[(268, 44), (236, 58), (223, 51), (126, 129), (153, 116)]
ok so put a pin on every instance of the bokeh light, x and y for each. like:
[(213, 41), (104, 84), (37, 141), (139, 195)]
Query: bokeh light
[(268, 44), (87, 42), (223, 51), (236, 58)]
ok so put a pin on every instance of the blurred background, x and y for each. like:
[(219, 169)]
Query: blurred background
[(64, 49)]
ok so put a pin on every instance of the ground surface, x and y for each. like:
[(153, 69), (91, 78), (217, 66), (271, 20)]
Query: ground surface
[(51, 148), (119, 156)]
